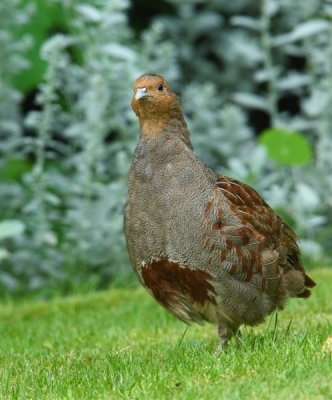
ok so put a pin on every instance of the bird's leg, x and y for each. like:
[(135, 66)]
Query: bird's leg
[(225, 333)]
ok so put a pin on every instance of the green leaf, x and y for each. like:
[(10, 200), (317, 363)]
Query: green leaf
[(246, 22), (250, 100), (13, 169), (285, 147), (48, 18), (10, 228)]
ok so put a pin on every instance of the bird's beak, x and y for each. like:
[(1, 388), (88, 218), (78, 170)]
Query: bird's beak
[(140, 93)]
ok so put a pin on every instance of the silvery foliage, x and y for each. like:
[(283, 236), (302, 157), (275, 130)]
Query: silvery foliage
[(222, 61), (73, 212), (12, 62)]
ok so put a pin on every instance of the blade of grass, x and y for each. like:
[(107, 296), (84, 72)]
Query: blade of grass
[(183, 335)]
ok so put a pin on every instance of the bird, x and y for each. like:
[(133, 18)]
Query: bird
[(207, 247)]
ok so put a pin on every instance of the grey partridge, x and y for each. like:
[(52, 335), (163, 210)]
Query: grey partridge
[(206, 247)]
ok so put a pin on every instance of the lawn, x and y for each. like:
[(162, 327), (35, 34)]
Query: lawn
[(120, 344)]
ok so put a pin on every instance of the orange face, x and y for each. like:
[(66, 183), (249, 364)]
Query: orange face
[(152, 94)]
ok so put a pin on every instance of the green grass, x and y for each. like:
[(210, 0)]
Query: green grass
[(121, 345)]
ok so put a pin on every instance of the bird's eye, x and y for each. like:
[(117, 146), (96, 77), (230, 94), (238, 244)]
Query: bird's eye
[(160, 87)]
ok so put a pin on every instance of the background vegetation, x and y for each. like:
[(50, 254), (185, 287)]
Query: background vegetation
[(255, 80)]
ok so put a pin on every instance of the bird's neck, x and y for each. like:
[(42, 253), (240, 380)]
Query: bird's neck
[(173, 122)]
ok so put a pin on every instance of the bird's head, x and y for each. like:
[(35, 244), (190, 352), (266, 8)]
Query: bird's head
[(155, 104)]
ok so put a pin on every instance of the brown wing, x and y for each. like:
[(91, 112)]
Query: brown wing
[(257, 245)]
